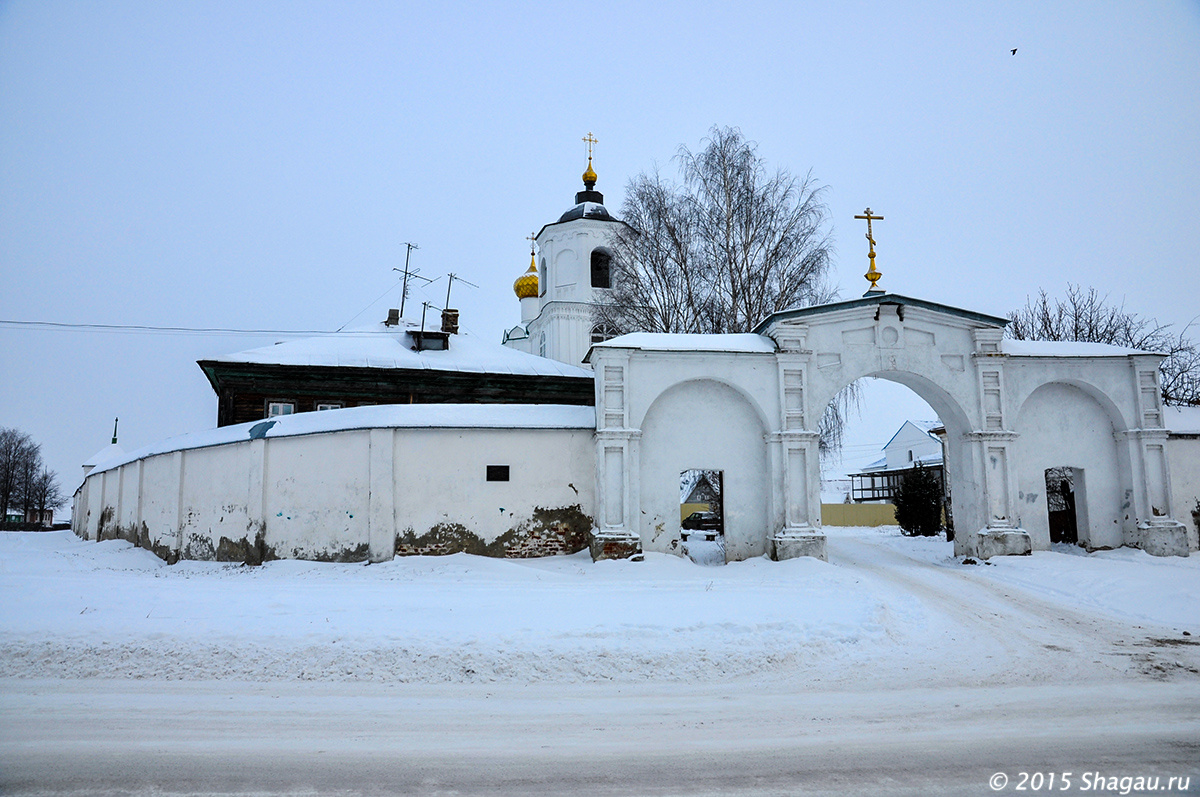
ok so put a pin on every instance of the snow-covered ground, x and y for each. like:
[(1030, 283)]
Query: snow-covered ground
[(109, 655)]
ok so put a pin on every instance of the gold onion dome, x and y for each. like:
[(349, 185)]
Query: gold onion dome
[(589, 177), (526, 285)]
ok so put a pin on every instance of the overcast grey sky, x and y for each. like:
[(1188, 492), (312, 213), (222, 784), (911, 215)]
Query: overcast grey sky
[(257, 165)]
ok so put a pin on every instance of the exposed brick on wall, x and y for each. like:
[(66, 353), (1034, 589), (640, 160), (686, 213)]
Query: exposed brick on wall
[(550, 532)]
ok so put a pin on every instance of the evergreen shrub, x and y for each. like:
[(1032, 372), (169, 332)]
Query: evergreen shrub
[(918, 502)]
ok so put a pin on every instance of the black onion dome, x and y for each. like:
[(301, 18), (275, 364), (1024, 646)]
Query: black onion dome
[(587, 210)]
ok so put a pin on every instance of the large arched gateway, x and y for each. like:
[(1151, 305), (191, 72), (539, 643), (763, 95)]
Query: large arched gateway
[(1023, 420)]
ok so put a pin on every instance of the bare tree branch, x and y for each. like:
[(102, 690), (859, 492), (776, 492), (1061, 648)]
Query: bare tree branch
[(1085, 315)]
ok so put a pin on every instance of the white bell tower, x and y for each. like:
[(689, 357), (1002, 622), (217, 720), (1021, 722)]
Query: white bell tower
[(573, 274)]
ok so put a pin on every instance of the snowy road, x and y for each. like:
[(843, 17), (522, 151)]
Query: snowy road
[(893, 669), (354, 738)]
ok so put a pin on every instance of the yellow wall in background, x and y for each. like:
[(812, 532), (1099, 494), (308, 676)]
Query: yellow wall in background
[(858, 515), (687, 509)]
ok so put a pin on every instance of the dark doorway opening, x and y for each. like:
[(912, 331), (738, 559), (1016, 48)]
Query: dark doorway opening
[(1060, 504), (702, 515)]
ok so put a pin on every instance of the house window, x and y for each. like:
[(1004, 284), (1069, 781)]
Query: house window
[(601, 269), (277, 408), (328, 407), (497, 473), (910, 455)]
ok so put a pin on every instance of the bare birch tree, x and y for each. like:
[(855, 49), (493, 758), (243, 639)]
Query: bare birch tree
[(722, 249), (1087, 316)]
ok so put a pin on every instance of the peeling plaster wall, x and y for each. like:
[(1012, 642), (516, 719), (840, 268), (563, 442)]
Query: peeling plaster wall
[(214, 492), (311, 497), (316, 494), (548, 468)]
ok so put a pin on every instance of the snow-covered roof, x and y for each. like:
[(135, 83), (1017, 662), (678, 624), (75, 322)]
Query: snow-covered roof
[(675, 341), (1184, 420), (385, 416), (880, 465), (1063, 348), (108, 452), (380, 346), (921, 426)]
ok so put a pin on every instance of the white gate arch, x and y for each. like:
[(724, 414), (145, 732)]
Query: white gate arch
[(979, 383)]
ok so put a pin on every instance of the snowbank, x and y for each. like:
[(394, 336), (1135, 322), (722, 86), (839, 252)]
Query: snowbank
[(885, 610)]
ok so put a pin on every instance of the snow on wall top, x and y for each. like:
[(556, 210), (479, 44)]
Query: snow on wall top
[(383, 416), (110, 451), (1063, 348), (380, 346), (675, 341), (1185, 420)]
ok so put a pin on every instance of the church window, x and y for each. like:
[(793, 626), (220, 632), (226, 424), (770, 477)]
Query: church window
[(497, 473), (601, 269), (543, 279), (602, 332), (277, 408), (542, 345)]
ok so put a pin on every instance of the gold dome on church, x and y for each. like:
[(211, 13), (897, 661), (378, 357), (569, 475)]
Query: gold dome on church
[(526, 285), (589, 177)]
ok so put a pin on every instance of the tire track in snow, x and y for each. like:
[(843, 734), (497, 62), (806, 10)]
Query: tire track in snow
[(1026, 626)]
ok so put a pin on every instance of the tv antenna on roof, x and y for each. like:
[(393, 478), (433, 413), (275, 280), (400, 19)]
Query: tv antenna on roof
[(450, 285), (407, 273)]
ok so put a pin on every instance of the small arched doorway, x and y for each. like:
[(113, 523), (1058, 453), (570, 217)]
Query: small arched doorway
[(707, 426), (1069, 479)]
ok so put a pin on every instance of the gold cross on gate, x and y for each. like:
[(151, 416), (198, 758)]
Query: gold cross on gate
[(591, 140), (872, 274), (869, 219)]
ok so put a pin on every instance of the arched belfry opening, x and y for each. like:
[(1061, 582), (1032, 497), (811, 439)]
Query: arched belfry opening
[(601, 268)]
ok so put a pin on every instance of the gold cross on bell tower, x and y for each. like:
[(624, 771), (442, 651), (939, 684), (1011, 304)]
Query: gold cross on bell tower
[(589, 177), (872, 274)]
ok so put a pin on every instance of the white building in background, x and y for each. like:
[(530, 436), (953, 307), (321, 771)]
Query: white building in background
[(914, 443)]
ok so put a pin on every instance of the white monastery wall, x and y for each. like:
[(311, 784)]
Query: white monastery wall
[(547, 468), (351, 495), (213, 500), (1183, 457), (315, 492)]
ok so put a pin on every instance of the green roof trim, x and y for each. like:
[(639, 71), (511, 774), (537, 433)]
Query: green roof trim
[(878, 299)]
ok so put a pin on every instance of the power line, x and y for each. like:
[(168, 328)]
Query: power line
[(147, 328)]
